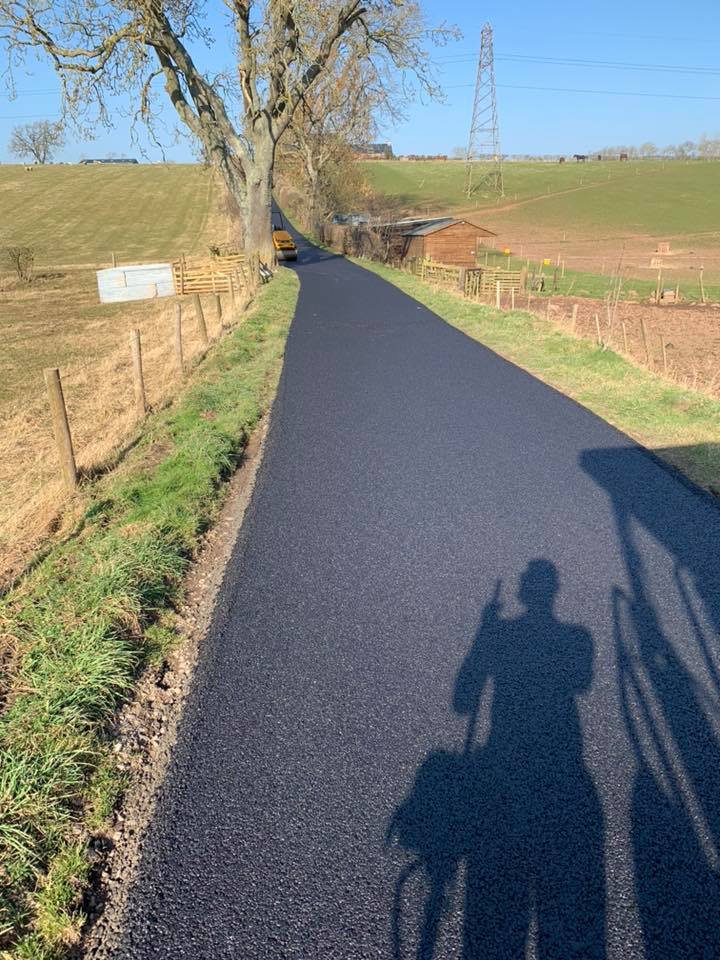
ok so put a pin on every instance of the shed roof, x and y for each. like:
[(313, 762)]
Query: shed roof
[(436, 227)]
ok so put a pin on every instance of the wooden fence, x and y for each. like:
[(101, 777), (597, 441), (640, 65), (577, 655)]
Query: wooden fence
[(472, 282), (227, 273)]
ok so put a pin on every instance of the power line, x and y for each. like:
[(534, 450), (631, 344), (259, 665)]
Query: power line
[(611, 93), (27, 93), (34, 116), (604, 64)]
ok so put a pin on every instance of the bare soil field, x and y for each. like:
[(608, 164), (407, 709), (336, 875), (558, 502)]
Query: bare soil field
[(691, 334), (636, 255)]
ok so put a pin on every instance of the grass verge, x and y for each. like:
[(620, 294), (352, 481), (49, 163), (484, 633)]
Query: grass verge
[(682, 426), (77, 630)]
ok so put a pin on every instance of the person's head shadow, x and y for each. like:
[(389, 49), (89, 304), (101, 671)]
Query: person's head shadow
[(515, 805)]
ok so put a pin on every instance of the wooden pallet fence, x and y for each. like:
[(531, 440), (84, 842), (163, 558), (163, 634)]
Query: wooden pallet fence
[(492, 278), (472, 282), (211, 275), (484, 281)]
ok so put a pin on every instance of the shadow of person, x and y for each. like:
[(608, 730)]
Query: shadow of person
[(520, 811)]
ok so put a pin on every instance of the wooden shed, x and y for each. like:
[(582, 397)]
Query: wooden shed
[(449, 241)]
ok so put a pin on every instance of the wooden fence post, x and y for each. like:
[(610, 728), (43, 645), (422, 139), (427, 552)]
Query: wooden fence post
[(664, 353), (497, 294), (523, 278), (702, 285), (138, 379), (114, 259), (512, 298), (233, 295), (219, 309), (61, 428), (597, 328), (625, 343), (645, 340), (200, 317), (462, 279), (178, 340)]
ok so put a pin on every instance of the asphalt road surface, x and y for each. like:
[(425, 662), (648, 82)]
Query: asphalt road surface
[(462, 696)]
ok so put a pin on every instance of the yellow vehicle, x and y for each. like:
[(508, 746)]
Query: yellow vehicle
[(284, 244)]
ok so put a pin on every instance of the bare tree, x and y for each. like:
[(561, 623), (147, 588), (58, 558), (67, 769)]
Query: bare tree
[(36, 141), (128, 47), (341, 110)]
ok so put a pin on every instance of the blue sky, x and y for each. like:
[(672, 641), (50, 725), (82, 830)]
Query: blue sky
[(640, 33)]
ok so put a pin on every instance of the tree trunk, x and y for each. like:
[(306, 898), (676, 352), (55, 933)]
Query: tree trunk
[(258, 204), (313, 201)]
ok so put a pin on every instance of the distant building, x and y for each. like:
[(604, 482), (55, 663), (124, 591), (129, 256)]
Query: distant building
[(448, 241), (109, 160), (373, 151), (443, 239)]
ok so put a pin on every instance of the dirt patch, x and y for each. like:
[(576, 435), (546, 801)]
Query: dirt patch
[(691, 335), (603, 251), (147, 727)]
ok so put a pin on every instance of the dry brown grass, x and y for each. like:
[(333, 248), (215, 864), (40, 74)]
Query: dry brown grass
[(100, 402), (58, 321)]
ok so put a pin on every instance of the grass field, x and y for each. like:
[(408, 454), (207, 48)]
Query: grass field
[(591, 215), (656, 198), (76, 218)]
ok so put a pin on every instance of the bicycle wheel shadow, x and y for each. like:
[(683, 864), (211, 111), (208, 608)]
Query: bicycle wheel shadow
[(520, 813), (667, 648)]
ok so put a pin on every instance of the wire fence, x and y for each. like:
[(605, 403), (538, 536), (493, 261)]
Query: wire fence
[(51, 442)]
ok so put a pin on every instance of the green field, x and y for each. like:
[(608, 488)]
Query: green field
[(82, 214), (654, 198), (593, 216)]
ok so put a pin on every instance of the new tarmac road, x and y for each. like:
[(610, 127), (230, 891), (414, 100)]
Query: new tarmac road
[(462, 696)]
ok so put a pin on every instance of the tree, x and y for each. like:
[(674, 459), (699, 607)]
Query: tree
[(36, 141), (127, 47), (340, 111)]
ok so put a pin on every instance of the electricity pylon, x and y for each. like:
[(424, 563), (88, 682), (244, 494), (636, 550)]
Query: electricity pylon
[(483, 162)]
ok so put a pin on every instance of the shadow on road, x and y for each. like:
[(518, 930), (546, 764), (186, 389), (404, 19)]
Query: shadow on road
[(668, 670), (519, 810), (515, 814)]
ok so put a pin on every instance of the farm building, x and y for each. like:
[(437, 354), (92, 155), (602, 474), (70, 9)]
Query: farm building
[(446, 241)]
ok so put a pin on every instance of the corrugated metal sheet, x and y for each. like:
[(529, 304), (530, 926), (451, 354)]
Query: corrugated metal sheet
[(430, 228), (144, 281)]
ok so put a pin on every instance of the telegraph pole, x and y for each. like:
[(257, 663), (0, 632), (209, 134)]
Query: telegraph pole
[(483, 162)]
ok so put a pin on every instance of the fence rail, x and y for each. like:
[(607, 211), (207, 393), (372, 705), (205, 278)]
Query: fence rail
[(213, 274), (472, 281)]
